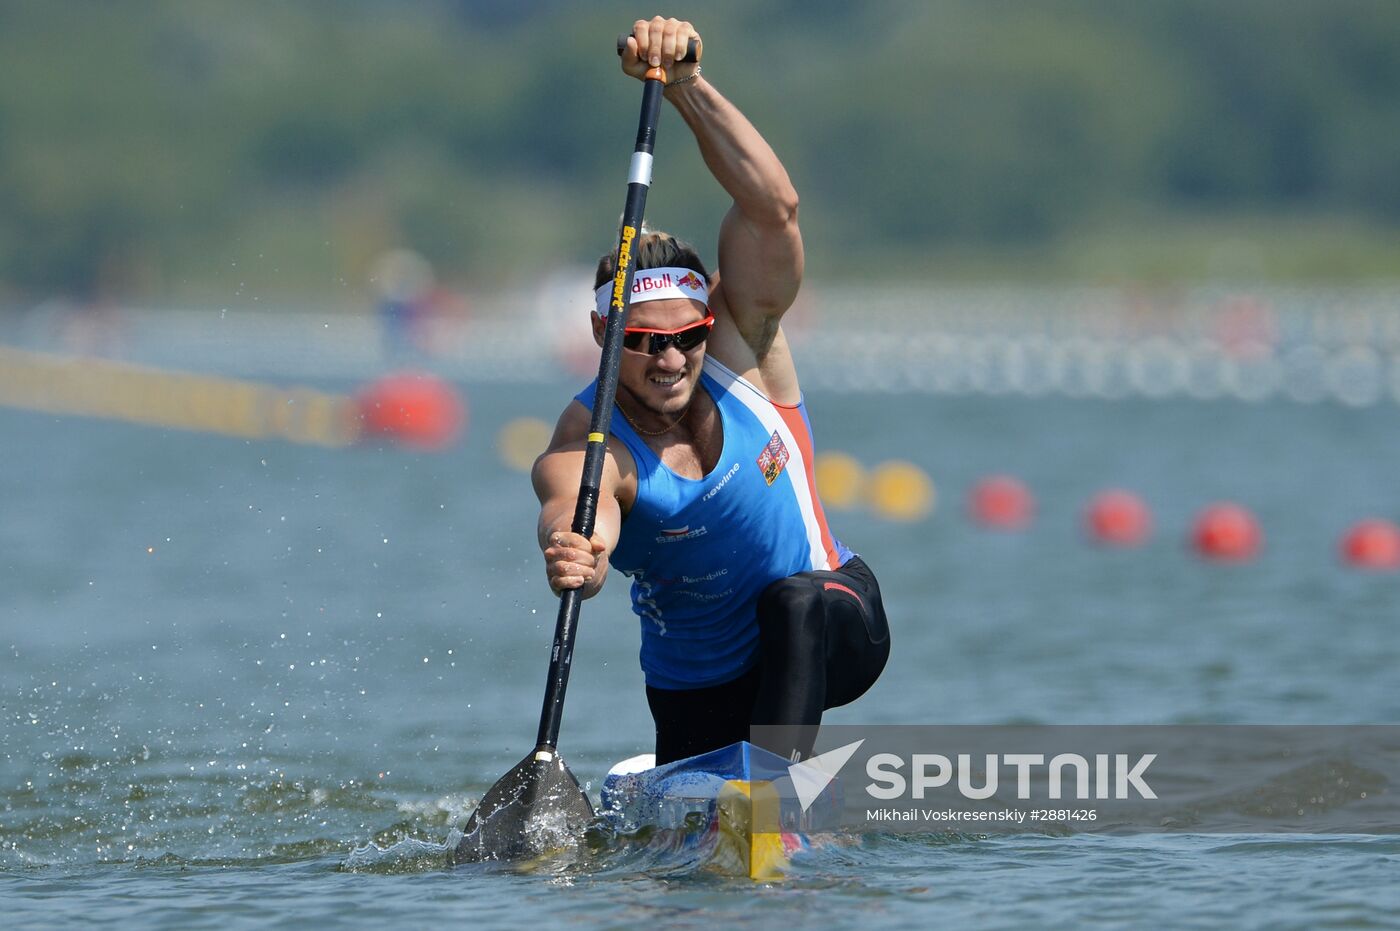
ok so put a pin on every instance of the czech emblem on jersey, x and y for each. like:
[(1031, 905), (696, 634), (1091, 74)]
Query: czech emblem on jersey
[(773, 458)]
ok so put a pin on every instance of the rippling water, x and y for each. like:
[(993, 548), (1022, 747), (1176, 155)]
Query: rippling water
[(253, 682)]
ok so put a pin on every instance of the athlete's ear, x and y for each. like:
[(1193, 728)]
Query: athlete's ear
[(599, 325)]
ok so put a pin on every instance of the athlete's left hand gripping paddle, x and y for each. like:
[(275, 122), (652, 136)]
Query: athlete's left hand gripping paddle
[(539, 806)]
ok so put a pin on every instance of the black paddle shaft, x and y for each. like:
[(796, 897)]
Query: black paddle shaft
[(539, 805), (586, 512)]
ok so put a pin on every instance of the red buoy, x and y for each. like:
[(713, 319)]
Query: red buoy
[(1226, 532), (1372, 544), (1118, 518), (415, 408), (1001, 502)]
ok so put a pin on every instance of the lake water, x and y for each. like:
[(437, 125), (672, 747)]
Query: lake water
[(231, 667)]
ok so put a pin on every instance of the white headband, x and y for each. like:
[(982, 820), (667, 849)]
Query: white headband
[(658, 284)]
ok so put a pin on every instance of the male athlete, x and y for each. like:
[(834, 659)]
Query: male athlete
[(752, 611)]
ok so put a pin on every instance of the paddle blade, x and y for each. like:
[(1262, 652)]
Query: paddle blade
[(536, 808)]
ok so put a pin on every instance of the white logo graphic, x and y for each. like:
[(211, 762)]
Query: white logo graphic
[(722, 482), (890, 783), (813, 775)]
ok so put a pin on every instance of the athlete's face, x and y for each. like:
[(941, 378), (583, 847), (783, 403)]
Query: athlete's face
[(663, 383)]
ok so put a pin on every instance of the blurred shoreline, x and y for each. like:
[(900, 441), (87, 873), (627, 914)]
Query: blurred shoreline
[(1305, 344)]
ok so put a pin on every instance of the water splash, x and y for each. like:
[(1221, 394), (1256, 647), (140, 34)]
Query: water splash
[(409, 855)]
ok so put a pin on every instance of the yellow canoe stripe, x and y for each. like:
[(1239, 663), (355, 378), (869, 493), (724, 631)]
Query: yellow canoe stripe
[(761, 854)]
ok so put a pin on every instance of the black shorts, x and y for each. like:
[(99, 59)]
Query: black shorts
[(823, 641)]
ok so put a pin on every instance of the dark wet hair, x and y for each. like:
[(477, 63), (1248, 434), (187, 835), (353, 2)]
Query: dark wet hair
[(653, 249)]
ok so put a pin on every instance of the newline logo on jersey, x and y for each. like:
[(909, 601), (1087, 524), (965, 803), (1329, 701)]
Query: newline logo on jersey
[(934, 770), (722, 482)]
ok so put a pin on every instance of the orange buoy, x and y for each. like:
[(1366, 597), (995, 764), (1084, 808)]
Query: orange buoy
[(415, 408), (1226, 532), (1118, 518), (1001, 502), (1372, 544)]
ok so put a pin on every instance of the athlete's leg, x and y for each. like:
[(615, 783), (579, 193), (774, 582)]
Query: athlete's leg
[(694, 721), (823, 641)]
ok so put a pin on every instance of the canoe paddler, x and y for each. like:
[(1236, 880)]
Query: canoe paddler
[(752, 611)]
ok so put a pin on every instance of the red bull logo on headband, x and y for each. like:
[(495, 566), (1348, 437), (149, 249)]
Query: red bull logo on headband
[(650, 284)]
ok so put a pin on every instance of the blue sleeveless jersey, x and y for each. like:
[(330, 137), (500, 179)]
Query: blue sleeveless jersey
[(699, 551)]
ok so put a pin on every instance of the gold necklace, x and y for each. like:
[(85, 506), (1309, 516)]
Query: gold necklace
[(674, 424)]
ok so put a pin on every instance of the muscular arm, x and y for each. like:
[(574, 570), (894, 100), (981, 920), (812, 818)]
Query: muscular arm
[(570, 560), (760, 246)]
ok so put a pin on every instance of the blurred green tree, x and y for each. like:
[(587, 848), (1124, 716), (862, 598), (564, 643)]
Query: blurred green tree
[(169, 148)]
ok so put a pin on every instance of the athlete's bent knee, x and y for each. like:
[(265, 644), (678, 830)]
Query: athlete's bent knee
[(791, 607)]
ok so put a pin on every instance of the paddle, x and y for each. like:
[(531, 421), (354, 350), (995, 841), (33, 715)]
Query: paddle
[(538, 806)]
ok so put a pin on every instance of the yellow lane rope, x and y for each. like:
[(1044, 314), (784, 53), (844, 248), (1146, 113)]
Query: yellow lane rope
[(90, 387)]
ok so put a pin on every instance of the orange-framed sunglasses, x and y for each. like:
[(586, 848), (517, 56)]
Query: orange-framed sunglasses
[(684, 338)]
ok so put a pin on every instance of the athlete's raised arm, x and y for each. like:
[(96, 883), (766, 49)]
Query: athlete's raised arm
[(760, 245)]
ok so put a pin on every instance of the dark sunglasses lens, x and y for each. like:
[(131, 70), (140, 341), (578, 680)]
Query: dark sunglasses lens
[(685, 340), (688, 339)]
